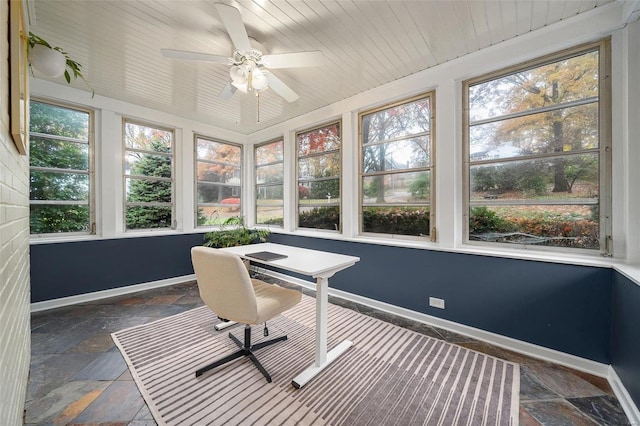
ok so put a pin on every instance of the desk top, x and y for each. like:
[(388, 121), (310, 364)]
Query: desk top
[(314, 263)]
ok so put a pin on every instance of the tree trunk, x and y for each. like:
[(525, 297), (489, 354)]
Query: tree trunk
[(560, 183)]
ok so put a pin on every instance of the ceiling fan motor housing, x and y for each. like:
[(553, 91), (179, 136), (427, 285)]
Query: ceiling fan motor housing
[(240, 58)]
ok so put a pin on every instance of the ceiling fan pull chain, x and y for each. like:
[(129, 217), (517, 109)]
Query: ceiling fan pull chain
[(258, 96)]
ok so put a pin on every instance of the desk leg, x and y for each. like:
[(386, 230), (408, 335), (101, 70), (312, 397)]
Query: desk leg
[(322, 308), (322, 357)]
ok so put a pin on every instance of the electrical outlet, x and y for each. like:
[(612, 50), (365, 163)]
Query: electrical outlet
[(436, 303)]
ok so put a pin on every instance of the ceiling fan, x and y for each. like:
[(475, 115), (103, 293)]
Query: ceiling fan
[(250, 67)]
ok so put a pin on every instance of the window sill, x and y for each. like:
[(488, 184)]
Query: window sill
[(54, 239), (630, 271), (426, 244)]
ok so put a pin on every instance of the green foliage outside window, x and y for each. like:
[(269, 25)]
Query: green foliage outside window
[(60, 194), (421, 187), (148, 180), (320, 218), (319, 190), (396, 220)]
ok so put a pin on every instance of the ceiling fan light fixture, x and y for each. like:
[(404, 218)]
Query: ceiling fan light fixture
[(238, 74), (259, 80), (240, 86)]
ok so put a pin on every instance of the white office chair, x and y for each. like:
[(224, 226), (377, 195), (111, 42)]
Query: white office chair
[(226, 288)]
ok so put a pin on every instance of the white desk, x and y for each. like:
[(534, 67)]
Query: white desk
[(320, 265)]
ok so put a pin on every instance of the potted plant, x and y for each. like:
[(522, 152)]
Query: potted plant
[(53, 61), (233, 233)]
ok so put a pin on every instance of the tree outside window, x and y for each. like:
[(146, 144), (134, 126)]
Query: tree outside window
[(148, 177), (60, 169), (319, 174), (269, 175), (535, 152), (219, 181), (395, 180)]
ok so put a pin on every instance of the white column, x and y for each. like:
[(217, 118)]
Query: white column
[(448, 160), (290, 187), (110, 170), (349, 180)]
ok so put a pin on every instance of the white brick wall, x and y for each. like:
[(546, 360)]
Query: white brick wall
[(15, 342)]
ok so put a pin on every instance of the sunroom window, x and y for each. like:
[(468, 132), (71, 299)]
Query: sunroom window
[(396, 179), (269, 175), (219, 181), (537, 140), (148, 176), (319, 174), (61, 169)]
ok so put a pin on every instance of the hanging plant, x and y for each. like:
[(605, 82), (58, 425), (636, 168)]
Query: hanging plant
[(53, 61)]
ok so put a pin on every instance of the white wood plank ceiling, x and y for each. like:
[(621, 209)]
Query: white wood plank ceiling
[(365, 44)]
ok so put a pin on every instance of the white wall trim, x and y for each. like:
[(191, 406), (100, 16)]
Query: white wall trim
[(629, 407), (104, 294)]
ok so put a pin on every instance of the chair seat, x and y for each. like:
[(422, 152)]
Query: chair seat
[(272, 299)]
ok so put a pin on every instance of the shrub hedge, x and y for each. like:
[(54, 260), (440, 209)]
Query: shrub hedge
[(578, 233)]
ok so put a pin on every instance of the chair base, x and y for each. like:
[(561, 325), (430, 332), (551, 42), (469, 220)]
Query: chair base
[(246, 349)]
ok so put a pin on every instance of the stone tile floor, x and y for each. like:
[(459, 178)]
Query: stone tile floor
[(78, 376)]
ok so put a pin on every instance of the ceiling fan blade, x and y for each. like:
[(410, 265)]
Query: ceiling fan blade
[(194, 56), (235, 27), (293, 60), (228, 91), (281, 89)]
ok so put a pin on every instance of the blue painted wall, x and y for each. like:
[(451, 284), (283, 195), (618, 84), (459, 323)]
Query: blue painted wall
[(69, 269), (562, 307), (625, 334)]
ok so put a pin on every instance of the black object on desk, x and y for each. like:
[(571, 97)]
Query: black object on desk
[(266, 255)]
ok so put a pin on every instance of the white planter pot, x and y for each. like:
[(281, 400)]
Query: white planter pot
[(47, 61)]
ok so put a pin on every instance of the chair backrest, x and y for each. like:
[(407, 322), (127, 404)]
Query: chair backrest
[(224, 284)]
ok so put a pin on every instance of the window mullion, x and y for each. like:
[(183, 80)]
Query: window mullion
[(534, 111)]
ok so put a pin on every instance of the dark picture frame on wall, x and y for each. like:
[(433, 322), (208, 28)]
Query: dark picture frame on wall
[(19, 78)]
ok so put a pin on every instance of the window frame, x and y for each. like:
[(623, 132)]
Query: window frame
[(90, 171), (125, 151), (197, 205), (432, 234), (329, 123), (603, 47), (257, 186)]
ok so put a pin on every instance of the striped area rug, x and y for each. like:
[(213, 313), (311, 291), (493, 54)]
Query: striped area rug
[(391, 376)]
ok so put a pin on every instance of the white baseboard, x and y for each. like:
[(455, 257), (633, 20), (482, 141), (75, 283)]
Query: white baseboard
[(629, 407), (97, 295)]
